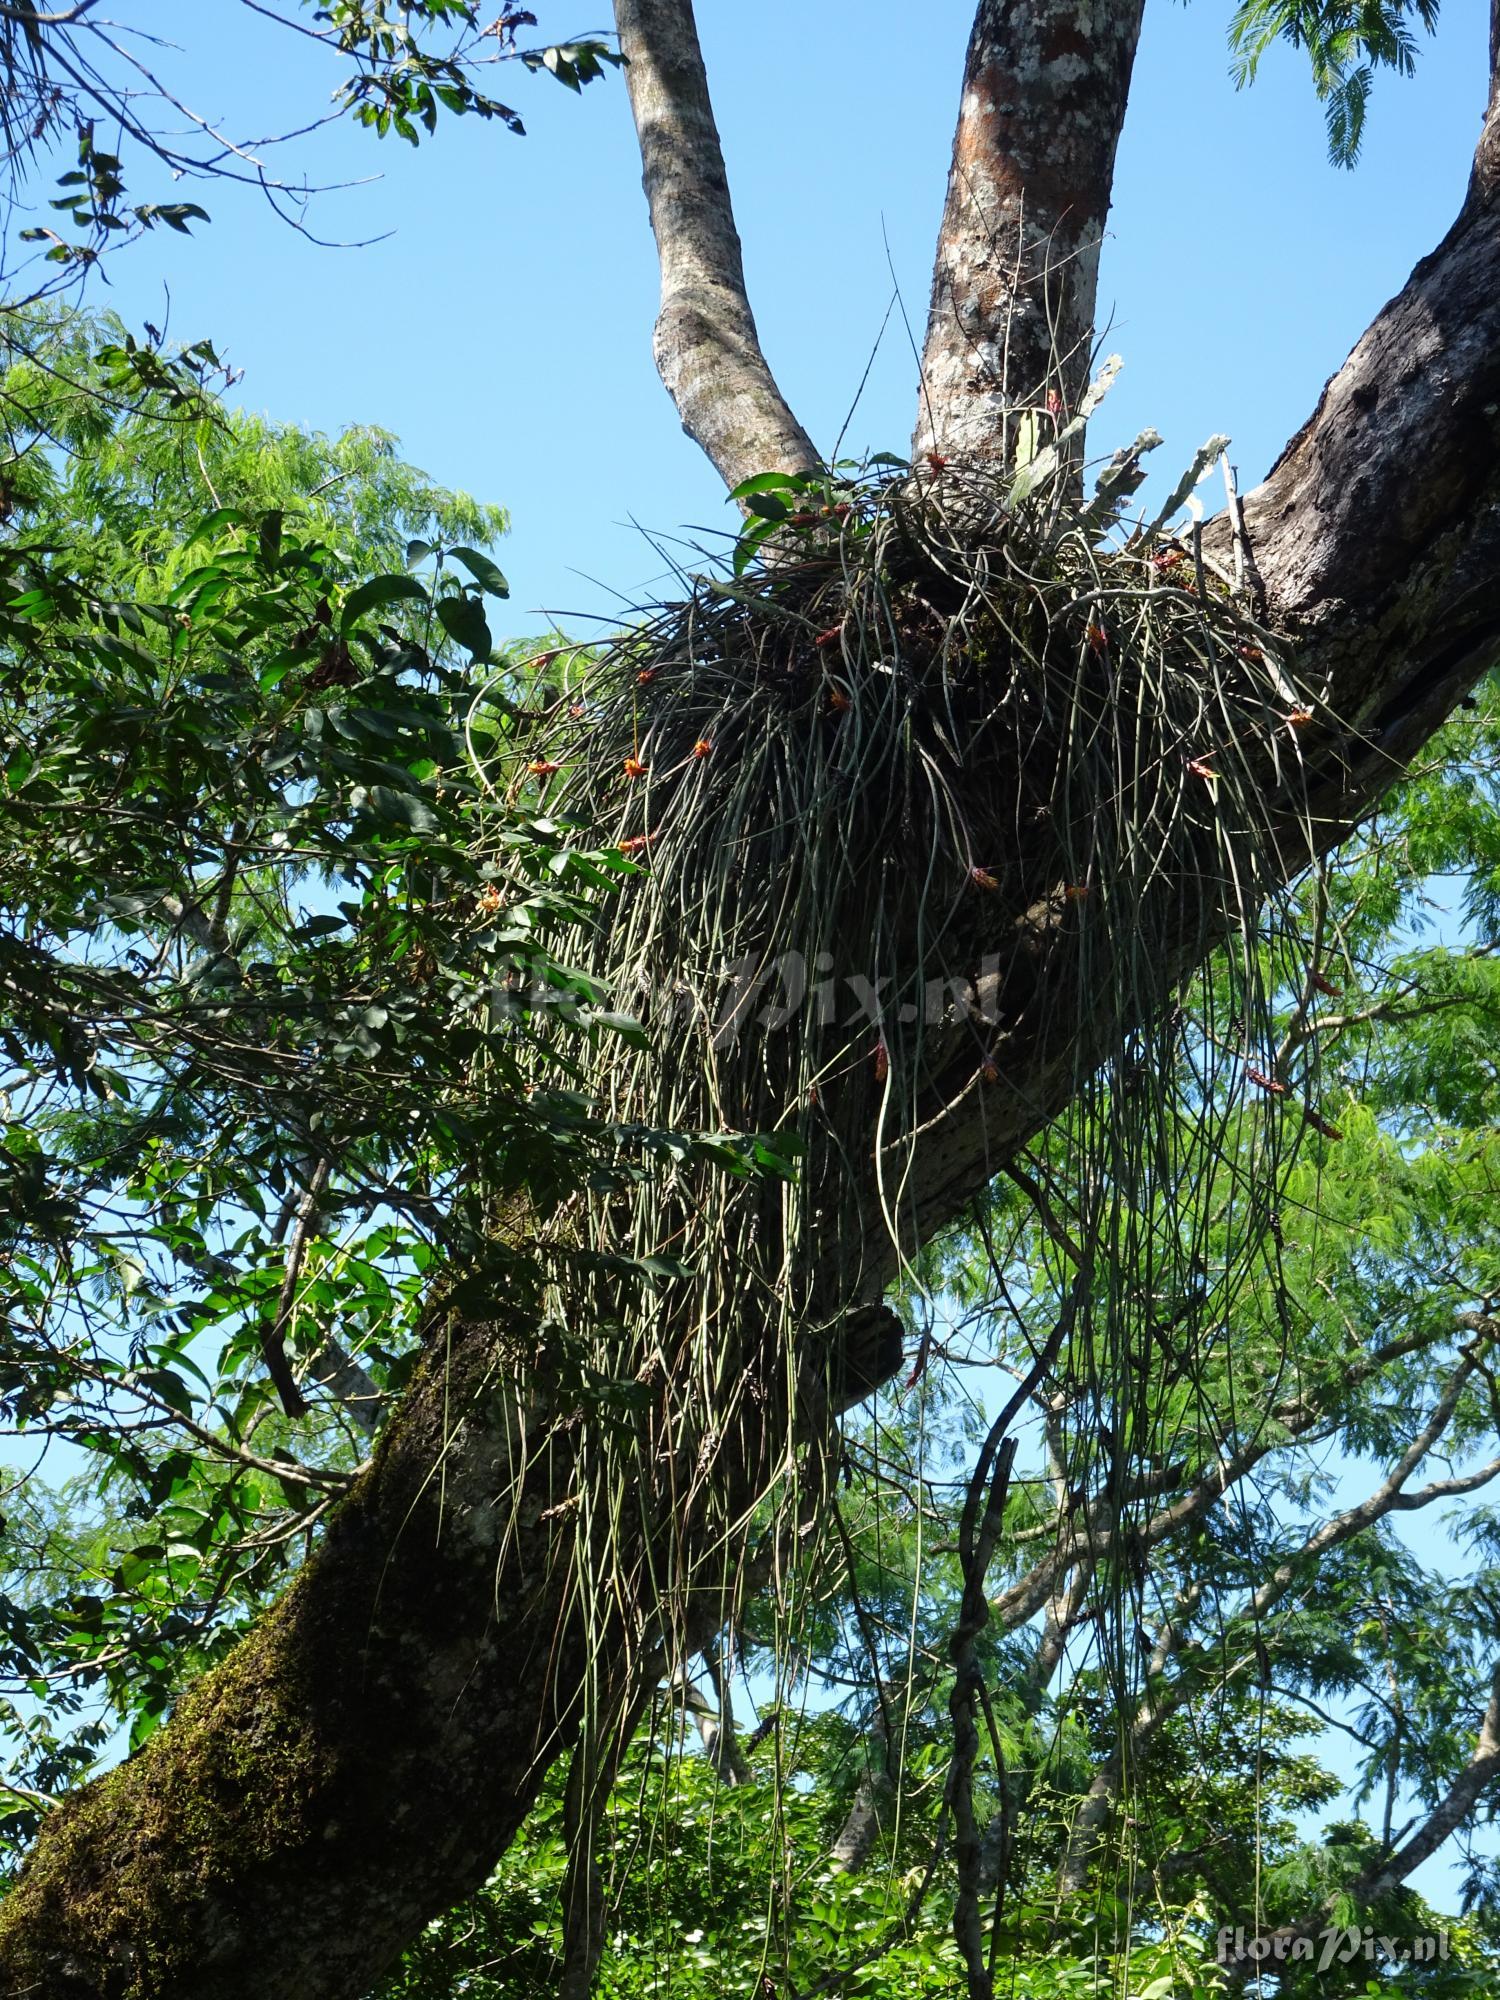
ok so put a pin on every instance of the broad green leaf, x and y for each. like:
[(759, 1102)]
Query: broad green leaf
[(484, 572)]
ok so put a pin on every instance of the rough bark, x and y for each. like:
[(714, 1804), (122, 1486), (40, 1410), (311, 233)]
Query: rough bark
[(360, 1758), (1377, 541), (707, 348), (1016, 275), (361, 1761)]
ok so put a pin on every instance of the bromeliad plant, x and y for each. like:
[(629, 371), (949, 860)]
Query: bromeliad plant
[(923, 696)]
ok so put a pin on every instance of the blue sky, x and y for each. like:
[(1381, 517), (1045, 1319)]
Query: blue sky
[(503, 327)]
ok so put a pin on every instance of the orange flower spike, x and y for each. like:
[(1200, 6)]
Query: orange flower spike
[(938, 463), (1201, 770), (703, 748), (1324, 986), (1098, 639), (990, 1072), (578, 711), (1168, 558), (882, 1061), (983, 879), (802, 520), (542, 767), (1076, 892), (831, 637), (634, 768), (1322, 1126), (1299, 718), (838, 701), (646, 676), (636, 843), (1251, 653), (1259, 1076)]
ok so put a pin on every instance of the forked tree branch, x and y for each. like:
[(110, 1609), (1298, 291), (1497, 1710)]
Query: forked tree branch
[(1016, 275), (1477, 1777), (1377, 540), (1196, 1657), (707, 348)]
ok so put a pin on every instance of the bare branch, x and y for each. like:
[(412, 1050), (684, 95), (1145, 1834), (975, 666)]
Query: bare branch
[(1457, 1803), (63, 17), (1016, 275), (1098, 1804), (707, 348)]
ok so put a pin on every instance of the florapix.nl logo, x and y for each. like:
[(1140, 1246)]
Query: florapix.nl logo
[(1332, 1945)]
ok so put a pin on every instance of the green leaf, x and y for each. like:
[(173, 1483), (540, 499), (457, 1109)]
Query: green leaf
[(485, 573), (769, 482), (221, 517), (749, 542), (402, 807), (462, 618), (380, 590), (269, 535)]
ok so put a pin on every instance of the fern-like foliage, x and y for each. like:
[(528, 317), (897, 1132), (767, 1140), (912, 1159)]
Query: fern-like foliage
[(1347, 41)]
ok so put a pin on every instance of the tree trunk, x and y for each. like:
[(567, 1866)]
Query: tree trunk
[(707, 348), (1017, 268), (361, 1758), (360, 1762)]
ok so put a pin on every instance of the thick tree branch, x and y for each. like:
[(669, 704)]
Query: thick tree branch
[(874, 1797), (1014, 284), (715, 1725), (1377, 538), (707, 348)]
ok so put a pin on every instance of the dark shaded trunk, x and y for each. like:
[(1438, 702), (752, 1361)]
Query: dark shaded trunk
[(359, 1761)]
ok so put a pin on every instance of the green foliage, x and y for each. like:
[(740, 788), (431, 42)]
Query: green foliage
[(400, 84), (713, 1891), (1346, 42), (64, 78), (274, 1066)]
